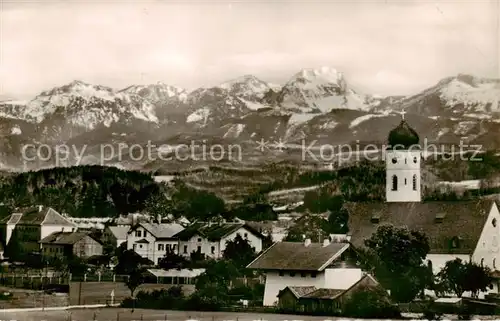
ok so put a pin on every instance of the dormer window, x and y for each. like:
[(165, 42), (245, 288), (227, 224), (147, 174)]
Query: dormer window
[(455, 243)]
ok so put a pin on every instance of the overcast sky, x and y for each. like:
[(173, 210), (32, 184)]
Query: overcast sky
[(383, 47)]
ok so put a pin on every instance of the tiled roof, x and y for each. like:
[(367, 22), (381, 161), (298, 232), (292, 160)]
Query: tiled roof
[(214, 231), (64, 238), (120, 232), (442, 222), (323, 294), (161, 231), (300, 291), (45, 216), (298, 257), (12, 219)]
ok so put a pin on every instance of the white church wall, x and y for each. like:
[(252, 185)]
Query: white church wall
[(487, 250), (439, 260)]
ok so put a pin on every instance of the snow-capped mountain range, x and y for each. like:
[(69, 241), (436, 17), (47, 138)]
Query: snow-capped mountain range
[(314, 104)]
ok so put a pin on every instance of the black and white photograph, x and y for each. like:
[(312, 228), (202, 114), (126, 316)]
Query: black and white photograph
[(247, 160)]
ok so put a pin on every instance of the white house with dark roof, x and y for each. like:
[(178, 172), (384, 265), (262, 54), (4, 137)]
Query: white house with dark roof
[(33, 224), (469, 230), (211, 238), (153, 240), (315, 265)]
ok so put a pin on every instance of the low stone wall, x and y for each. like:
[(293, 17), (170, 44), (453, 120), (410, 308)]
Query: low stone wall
[(81, 293)]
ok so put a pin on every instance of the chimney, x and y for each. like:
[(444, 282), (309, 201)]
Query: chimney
[(307, 242), (40, 207), (326, 242)]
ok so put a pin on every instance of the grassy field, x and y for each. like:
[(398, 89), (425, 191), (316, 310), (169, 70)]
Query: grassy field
[(116, 314)]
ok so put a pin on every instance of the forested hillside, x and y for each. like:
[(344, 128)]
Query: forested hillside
[(83, 191)]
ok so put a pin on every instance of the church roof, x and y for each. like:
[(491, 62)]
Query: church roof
[(403, 136), (452, 227)]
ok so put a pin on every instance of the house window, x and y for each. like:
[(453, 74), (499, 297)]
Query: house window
[(140, 246), (212, 249), (494, 263), (415, 160), (161, 247), (145, 233), (199, 240), (405, 181), (394, 160), (414, 182), (313, 274), (245, 235), (292, 274), (185, 248), (303, 274), (394, 183), (137, 233), (494, 222), (281, 273)]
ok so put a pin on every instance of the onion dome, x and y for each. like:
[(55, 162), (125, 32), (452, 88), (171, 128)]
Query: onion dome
[(403, 136)]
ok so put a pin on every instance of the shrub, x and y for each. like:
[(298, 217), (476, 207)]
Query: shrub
[(370, 304)]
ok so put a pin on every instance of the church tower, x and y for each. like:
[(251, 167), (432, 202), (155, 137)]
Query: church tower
[(403, 157)]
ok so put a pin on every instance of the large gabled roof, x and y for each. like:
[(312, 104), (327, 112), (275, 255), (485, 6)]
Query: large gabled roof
[(452, 227), (41, 215), (297, 256), (160, 231)]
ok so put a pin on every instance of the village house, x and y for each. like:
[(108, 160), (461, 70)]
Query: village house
[(80, 244), (210, 238), (468, 230), (324, 265), (310, 299), (153, 240), (116, 235), (31, 225)]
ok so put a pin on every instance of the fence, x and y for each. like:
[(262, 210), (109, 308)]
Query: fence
[(118, 314)]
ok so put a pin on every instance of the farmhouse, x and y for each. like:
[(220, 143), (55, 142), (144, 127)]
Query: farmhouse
[(211, 238), (311, 299), (468, 230), (80, 244), (153, 240), (314, 265)]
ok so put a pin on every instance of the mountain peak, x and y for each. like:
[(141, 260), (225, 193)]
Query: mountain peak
[(325, 73)]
